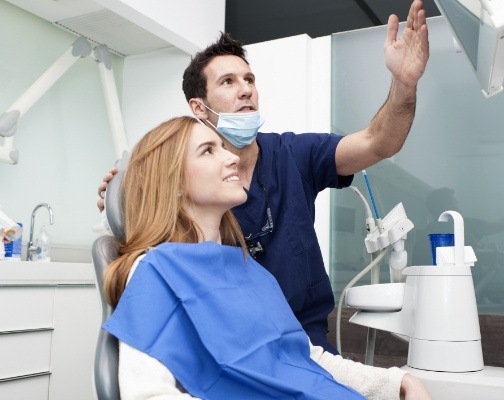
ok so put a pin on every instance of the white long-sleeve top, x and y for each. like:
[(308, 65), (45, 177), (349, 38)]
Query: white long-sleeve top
[(143, 377)]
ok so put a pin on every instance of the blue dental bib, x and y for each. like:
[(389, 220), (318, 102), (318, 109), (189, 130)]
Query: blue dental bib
[(220, 323)]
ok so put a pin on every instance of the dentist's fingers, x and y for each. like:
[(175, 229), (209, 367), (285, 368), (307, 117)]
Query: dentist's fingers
[(103, 187), (392, 29)]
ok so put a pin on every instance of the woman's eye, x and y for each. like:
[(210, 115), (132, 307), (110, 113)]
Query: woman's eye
[(208, 150)]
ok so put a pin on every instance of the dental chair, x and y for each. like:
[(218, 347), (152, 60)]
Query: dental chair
[(105, 249)]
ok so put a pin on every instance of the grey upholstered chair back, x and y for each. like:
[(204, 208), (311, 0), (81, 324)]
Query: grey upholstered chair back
[(107, 348), (104, 250), (113, 205)]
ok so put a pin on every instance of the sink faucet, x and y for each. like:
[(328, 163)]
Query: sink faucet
[(31, 249)]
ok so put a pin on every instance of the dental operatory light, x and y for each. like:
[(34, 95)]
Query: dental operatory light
[(478, 29)]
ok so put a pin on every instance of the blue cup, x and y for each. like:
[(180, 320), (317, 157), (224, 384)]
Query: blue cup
[(440, 240)]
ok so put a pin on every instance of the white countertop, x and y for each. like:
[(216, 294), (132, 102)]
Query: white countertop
[(52, 273)]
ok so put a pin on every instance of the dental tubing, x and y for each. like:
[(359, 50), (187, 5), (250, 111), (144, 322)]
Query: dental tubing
[(373, 264)]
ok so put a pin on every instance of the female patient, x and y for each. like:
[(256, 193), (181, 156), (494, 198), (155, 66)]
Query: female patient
[(196, 317)]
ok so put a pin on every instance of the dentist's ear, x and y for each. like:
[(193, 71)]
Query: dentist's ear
[(198, 109)]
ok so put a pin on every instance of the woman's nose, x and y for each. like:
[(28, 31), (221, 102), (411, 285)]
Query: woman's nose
[(232, 159)]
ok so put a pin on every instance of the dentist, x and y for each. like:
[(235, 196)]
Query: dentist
[(283, 173)]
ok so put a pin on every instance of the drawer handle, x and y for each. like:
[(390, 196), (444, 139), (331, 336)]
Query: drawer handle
[(26, 331), (28, 376)]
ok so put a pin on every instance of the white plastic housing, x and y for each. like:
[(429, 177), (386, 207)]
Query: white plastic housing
[(380, 297), (395, 227)]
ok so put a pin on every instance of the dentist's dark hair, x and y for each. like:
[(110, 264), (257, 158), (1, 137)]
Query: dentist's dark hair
[(194, 82)]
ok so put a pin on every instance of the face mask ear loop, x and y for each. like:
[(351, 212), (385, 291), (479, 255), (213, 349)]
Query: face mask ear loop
[(202, 122), (199, 120), (207, 120), (208, 108)]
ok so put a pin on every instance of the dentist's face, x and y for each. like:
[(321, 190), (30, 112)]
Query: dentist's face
[(230, 86), (212, 178)]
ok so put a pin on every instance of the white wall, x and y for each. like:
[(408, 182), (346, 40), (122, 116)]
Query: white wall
[(152, 90)]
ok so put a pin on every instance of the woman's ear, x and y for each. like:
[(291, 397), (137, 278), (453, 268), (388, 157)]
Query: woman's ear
[(198, 109)]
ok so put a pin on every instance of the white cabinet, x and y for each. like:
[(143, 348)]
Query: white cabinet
[(34, 388), (50, 316)]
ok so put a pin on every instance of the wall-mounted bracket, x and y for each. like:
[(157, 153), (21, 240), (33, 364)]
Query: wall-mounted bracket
[(79, 49)]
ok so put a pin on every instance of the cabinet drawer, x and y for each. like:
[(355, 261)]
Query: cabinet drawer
[(32, 388), (26, 307), (24, 353)]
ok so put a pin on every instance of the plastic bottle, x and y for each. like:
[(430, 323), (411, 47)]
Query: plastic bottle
[(13, 249), (8, 228), (44, 242)]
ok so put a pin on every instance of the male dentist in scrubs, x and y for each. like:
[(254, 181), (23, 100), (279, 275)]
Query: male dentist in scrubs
[(283, 173)]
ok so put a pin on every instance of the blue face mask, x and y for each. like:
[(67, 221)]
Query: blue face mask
[(240, 129)]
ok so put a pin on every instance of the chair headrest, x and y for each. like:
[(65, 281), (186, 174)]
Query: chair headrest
[(113, 200), (113, 206)]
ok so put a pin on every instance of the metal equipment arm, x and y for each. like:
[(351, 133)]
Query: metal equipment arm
[(79, 49)]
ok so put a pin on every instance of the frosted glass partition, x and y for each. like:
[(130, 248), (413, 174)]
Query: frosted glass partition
[(452, 159)]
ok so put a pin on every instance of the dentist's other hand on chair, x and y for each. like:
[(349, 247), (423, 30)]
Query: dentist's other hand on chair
[(413, 389), (103, 187), (407, 56)]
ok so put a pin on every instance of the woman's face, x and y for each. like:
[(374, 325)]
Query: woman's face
[(212, 178)]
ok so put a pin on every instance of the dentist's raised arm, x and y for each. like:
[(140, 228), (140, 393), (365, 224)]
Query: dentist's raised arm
[(406, 58)]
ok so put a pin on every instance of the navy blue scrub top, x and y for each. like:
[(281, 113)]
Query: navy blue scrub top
[(290, 172)]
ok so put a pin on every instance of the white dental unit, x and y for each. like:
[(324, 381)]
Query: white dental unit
[(435, 311)]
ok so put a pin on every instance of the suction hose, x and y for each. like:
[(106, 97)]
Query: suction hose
[(370, 267)]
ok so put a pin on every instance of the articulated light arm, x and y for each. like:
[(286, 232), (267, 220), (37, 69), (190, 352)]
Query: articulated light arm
[(8, 120), (79, 49), (104, 60)]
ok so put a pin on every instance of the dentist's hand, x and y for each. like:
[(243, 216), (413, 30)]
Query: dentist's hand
[(103, 187), (407, 56), (413, 389)]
